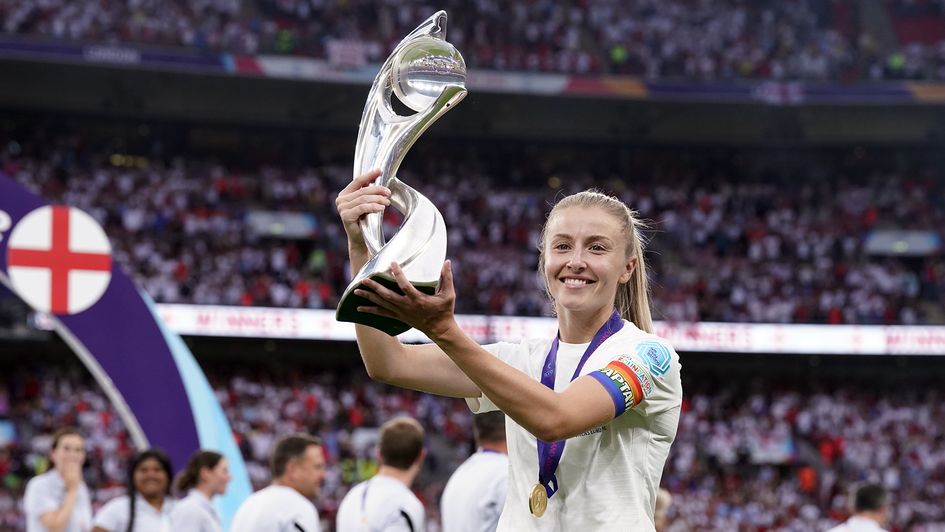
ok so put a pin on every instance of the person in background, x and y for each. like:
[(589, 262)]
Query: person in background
[(475, 494), (661, 516), (384, 503), (206, 475), (870, 505), (298, 469), (58, 500), (147, 506)]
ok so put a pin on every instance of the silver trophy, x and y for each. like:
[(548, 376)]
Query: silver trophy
[(428, 75)]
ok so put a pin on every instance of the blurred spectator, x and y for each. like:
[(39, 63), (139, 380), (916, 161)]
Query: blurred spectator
[(660, 514), (206, 475), (474, 496), (384, 502), (298, 470), (58, 500), (870, 507), (147, 505)]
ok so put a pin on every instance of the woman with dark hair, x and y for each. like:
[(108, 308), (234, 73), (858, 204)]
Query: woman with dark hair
[(207, 474), (146, 507)]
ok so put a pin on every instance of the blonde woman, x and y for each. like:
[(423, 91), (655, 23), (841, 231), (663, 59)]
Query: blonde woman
[(591, 412)]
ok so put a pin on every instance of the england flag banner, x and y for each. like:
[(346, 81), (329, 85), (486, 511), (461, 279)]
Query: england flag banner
[(58, 260)]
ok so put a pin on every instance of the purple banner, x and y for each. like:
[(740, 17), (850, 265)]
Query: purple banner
[(117, 336)]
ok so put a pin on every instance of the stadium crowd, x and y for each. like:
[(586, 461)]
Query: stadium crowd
[(736, 237), (748, 456), (715, 40)]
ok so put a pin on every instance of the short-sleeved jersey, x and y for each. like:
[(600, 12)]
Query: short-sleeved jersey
[(115, 514), (475, 494), (196, 513), (45, 493), (381, 504), (608, 476), (276, 509)]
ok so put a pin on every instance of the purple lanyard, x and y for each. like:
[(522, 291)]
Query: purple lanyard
[(549, 454)]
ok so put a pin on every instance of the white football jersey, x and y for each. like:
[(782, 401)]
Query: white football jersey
[(475, 494), (608, 476), (381, 504)]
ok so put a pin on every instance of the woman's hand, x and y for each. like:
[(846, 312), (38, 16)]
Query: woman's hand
[(431, 315), (356, 201)]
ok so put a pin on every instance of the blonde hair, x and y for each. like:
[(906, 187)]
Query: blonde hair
[(632, 299)]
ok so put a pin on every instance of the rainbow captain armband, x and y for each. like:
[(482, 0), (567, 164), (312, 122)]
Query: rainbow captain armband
[(627, 382)]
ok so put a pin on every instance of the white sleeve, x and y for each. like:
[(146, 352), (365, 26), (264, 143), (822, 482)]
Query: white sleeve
[(37, 500), (645, 377), (113, 516), (504, 351)]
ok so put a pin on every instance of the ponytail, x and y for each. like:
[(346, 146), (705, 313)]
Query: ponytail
[(132, 499), (190, 476), (632, 300)]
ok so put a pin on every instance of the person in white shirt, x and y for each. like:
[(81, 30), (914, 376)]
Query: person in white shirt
[(870, 505), (298, 469), (384, 503), (206, 475), (58, 500), (592, 411), (147, 506), (475, 494), (663, 501)]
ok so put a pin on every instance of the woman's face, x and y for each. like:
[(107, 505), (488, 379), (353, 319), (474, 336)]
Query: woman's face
[(585, 260), (217, 477), (150, 479), (69, 449)]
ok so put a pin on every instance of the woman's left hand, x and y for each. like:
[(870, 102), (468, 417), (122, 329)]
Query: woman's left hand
[(429, 314)]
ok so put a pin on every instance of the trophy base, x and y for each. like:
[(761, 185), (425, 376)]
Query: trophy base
[(348, 306)]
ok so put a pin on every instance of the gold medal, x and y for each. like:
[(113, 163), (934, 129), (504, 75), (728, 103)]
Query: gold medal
[(538, 501)]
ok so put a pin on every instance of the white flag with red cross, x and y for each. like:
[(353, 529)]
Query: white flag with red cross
[(59, 260)]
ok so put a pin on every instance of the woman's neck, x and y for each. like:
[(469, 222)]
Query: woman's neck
[(580, 328), (157, 501), (206, 490)]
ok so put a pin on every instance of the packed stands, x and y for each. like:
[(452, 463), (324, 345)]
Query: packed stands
[(708, 40), (737, 235)]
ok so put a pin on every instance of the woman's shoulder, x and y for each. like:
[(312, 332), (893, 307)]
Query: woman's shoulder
[(115, 503), (188, 506), (113, 515), (630, 334)]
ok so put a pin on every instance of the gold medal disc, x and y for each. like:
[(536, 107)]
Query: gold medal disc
[(538, 501)]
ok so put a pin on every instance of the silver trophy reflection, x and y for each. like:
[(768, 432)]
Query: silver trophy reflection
[(428, 75)]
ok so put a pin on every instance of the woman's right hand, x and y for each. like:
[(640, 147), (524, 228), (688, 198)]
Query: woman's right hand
[(356, 201), (71, 473)]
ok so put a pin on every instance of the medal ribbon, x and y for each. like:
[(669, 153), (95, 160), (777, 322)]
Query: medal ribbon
[(549, 453)]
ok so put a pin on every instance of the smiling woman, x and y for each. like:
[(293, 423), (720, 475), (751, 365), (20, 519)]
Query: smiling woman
[(147, 506), (592, 412)]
